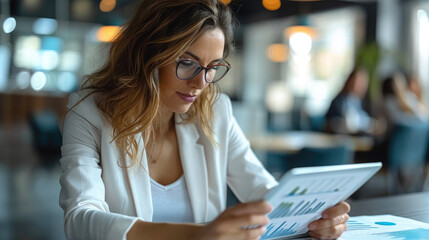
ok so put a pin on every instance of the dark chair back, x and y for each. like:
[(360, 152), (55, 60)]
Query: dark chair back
[(406, 158), (407, 147), (341, 153), (47, 137)]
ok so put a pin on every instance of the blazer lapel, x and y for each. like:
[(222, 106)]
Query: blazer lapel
[(139, 179), (194, 167)]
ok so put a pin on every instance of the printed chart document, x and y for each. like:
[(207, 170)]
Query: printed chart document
[(304, 193), (385, 227)]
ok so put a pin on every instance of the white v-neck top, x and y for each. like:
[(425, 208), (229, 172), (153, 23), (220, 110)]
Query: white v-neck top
[(171, 203)]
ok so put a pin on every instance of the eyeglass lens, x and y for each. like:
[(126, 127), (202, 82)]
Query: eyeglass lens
[(188, 69)]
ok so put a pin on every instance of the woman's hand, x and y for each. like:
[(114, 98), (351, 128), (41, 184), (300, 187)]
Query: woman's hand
[(332, 224), (234, 222)]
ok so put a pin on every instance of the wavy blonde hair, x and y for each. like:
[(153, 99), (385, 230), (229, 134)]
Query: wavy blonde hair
[(159, 32)]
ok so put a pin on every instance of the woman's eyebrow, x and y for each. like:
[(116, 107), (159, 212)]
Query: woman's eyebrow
[(198, 58), (193, 55)]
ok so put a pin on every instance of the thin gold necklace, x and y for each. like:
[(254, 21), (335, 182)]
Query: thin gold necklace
[(151, 158), (154, 160)]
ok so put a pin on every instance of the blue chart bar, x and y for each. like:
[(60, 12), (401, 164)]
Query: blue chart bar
[(414, 234), (313, 210), (294, 191), (297, 191), (309, 208), (286, 209), (273, 231), (281, 211), (355, 225)]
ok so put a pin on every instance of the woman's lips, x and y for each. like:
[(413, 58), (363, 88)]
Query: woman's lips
[(187, 98)]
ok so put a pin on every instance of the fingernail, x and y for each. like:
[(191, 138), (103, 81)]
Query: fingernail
[(312, 226)]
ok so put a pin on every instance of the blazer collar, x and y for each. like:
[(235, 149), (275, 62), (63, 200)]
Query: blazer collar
[(139, 179), (194, 167)]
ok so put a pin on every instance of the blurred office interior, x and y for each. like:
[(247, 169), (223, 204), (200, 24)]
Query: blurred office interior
[(291, 60)]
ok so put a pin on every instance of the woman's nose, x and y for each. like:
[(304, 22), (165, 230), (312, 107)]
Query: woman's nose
[(198, 81)]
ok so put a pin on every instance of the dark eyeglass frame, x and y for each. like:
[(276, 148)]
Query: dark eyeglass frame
[(227, 65)]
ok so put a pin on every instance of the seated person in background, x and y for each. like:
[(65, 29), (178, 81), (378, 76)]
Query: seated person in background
[(149, 144), (401, 106), (414, 86), (345, 114)]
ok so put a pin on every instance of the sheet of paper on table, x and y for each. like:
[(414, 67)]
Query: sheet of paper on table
[(385, 227)]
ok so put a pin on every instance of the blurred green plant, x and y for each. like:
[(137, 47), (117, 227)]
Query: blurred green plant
[(368, 56)]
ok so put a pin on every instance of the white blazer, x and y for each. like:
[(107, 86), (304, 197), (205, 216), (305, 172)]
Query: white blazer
[(102, 200)]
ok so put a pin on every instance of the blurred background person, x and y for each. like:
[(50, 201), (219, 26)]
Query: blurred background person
[(415, 88), (402, 104), (346, 114)]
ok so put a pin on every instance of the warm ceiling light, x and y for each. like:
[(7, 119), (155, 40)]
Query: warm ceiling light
[(271, 5), (302, 26), (300, 43), (300, 29), (107, 33), (226, 2), (107, 5), (277, 52)]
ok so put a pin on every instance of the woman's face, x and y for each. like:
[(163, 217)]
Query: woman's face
[(360, 84), (178, 95)]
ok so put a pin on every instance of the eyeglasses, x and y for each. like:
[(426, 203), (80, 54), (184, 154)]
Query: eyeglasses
[(187, 69)]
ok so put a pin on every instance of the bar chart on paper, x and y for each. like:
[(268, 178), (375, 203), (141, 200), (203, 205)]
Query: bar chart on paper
[(303, 193), (288, 209), (385, 227), (415, 234), (275, 230)]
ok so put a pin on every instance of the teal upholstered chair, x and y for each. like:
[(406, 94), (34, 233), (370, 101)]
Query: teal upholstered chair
[(406, 158), (341, 153)]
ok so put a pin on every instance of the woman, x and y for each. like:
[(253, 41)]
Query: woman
[(416, 91), (346, 114), (149, 145), (401, 105)]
